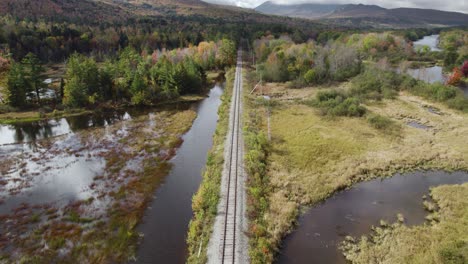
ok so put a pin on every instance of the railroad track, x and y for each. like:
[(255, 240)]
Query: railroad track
[(230, 229)]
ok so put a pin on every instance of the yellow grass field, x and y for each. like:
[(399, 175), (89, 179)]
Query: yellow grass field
[(314, 156)]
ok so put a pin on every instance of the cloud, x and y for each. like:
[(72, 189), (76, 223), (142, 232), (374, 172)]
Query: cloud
[(451, 5)]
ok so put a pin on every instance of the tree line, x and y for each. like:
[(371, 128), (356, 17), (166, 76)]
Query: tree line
[(133, 77)]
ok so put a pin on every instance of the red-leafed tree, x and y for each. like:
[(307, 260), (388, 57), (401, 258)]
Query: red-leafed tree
[(464, 68), (455, 77)]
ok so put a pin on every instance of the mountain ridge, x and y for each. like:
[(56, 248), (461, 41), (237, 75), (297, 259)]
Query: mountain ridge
[(353, 14)]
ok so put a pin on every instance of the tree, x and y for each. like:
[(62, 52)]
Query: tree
[(16, 86), (75, 92), (464, 68), (34, 75), (455, 77), (82, 81), (164, 70), (227, 53), (450, 57), (138, 89)]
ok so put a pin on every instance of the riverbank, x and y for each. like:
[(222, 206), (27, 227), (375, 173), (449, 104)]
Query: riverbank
[(79, 197), (442, 240), (40, 115), (313, 156), (7, 116), (206, 199)]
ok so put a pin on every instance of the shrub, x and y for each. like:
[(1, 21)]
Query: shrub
[(334, 103), (7, 108), (464, 68), (377, 84), (455, 77), (310, 76), (379, 122), (4, 64), (458, 103), (455, 253), (435, 91), (383, 123)]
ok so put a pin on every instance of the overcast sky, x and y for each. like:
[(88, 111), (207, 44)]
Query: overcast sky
[(449, 5)]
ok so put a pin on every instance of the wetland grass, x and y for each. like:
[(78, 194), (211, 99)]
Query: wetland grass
[(313, 156), (84, 230)]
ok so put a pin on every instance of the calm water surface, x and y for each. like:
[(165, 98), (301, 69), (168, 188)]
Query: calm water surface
[(353, 212), (52, 162), (165, 224), (432, 41), (430, 74)]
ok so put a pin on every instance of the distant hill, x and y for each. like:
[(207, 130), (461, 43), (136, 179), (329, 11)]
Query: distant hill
[(181, 14), (366, 15), (64, 10), (98, 11), (299, 10)]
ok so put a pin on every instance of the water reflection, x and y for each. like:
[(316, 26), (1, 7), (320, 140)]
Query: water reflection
[(431, 41), (353, 212), (166, 221), (430, 75), (33, 131)]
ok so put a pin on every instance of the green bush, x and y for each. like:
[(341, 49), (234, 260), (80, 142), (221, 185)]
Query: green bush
[(458, 103), (456, 253), (376, 84), (311, 76), (333, 103), (436, 91), (383, 123), (7, 109)]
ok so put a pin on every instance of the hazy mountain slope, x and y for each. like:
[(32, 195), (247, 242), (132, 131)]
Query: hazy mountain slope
[(430, 16), (98, 11), (64, 9), (366, 15), (359, 10), (299, 10)]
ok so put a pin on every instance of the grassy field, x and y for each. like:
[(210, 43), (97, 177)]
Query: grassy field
[(313, 156), (444, 240), (32, 116)]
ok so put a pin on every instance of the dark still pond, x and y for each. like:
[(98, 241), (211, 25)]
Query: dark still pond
[(354, 211)]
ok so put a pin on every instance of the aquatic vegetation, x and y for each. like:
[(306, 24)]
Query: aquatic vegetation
[(311, 156), (99, 224), (398, 243)]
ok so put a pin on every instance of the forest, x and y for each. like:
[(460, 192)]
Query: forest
[(323, 108)]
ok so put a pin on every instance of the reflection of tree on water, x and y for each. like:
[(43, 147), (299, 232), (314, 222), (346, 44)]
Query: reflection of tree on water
[(32, 131), (98, 119), (430, 75)]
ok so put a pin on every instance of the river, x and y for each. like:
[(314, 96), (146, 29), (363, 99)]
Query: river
[(431, 41), (165, 224), (353, 212)]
